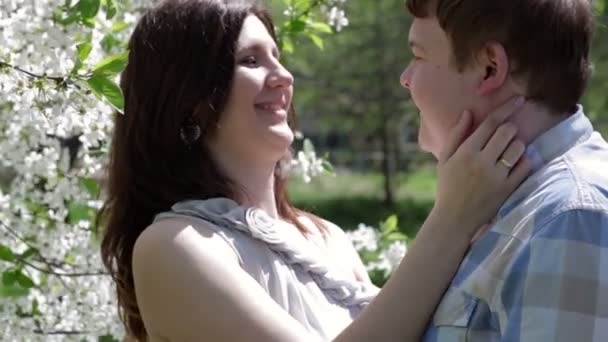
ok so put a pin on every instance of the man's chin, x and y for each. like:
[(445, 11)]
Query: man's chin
[(425, 146)]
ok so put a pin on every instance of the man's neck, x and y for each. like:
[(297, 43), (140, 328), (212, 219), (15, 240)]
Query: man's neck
[(534, 119)]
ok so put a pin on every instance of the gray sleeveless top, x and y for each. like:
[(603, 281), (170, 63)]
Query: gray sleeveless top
[(313, 289)]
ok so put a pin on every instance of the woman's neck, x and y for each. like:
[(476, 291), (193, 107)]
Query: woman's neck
[(254, 183)]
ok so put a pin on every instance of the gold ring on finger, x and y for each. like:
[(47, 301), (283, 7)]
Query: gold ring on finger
[(506, 163)]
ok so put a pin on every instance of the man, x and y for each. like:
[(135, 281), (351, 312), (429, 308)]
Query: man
[(541, 271)]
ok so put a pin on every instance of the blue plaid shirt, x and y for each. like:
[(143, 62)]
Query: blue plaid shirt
[(541, 272)]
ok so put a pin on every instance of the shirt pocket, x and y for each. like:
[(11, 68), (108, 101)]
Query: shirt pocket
[(455, 312)]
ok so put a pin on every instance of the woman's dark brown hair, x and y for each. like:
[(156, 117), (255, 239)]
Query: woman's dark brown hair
[(181, 63)]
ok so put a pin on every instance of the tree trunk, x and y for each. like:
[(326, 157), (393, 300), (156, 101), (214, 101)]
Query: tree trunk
[(388, 165)]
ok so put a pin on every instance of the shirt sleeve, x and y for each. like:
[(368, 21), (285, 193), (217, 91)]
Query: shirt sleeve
[(557, 287)]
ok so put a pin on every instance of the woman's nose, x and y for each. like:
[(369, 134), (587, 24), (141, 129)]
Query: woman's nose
[(280, 77)]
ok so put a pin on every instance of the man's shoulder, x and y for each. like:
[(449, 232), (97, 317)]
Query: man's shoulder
[(577, 180)]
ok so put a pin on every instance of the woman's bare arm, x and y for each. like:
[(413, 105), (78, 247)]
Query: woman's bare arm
[(190, 287), (189, 284)]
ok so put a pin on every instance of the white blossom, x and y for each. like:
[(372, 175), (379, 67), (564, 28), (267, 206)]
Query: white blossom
[(306, 164), (52, 137), (336, 16), (364, 238), (44, 186), (389, 258)]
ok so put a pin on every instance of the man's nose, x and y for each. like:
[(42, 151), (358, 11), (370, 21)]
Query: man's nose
[(405, 78)]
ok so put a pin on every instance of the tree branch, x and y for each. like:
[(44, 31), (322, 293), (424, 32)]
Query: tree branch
[(60, 332), (31, 74), (50, 267), (59, 80)]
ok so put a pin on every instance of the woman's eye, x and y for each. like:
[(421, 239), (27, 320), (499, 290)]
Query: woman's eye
[(249, 61)]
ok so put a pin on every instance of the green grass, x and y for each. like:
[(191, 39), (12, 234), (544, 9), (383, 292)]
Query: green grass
[(352, 198)]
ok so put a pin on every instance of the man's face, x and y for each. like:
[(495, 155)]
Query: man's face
[(438, 89)]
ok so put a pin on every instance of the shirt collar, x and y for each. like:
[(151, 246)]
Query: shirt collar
[(550, 145)]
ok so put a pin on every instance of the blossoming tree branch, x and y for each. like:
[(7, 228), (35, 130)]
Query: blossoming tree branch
[(59, 66)]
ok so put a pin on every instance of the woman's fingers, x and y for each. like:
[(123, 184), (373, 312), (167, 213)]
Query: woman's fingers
[(478, 140), (507, 160), (500, 140), (477, 175), (511, 155), (457, 136), (518, 173)]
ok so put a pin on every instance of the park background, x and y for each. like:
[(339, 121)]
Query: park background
[(356, 164)]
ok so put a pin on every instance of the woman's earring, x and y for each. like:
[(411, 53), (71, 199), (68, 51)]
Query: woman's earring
[(190, 132)]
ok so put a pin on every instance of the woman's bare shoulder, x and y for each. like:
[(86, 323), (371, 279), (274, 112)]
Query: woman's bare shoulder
[(177, 233), (190, 286)]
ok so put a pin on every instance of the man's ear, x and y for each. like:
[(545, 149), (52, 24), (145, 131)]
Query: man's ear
[(495, 63)]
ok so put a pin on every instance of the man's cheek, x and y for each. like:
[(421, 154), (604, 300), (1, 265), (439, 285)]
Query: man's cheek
[(477, 120), (451, 126)]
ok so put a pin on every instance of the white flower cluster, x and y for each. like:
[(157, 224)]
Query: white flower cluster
[(336, 16), (332, 10), (377, 254), (364, 238), (53, 137), (389, 258), (307, 164)]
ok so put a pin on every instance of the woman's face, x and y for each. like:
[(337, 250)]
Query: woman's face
[(254, 122)]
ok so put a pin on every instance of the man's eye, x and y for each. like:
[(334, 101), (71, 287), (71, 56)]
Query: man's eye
[(249, 61)]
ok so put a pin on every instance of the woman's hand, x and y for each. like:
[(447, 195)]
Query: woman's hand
[(476, 176), (473, 183)]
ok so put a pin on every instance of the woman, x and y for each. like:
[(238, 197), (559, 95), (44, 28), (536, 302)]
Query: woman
[(201, 239)]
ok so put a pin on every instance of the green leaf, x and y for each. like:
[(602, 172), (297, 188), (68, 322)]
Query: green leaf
[(320, 27), (300, 5), (308, 146), (36, 308), (105, 88), (287, 45), (9, 277), (119, 26), (599, 6), (24, 280), (112, 65), (369, 256), (65, 18), (29, 252), (396, 236), (109, 41), (294, 27), (318, 41), (390, 225), (88, 8), (79, 212), (13, 291), (327, 166), (6, 253), (111, 9), (89, 22), (83, 51), (107, 338), (91, 186)]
